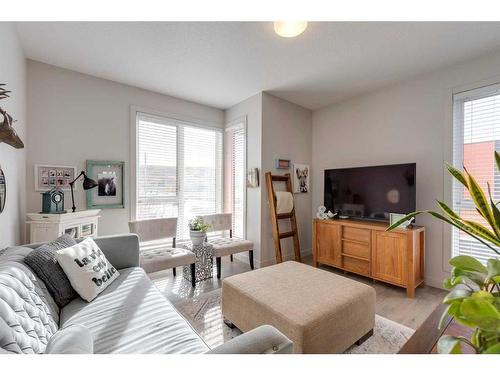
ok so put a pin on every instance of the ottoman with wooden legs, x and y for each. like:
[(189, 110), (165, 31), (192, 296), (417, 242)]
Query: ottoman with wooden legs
[(319, 311)]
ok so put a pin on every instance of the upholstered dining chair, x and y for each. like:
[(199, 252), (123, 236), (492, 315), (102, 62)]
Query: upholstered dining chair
[(224, 246), (153, 259)]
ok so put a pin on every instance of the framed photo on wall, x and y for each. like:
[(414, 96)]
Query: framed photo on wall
[(301, 178), (109, 176), (49, 176)]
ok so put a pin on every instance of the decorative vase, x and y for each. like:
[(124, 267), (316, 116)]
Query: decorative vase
[(197, 237)]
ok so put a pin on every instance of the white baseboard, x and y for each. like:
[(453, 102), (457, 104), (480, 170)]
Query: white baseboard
[(436, 283), (270, 262)]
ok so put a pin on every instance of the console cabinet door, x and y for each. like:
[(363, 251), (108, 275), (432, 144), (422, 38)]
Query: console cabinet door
[(389, 257), (328, 244)]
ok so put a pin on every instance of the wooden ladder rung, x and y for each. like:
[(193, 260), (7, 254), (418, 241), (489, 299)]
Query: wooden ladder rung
[(284, 216), (286, 234), (279, 178)]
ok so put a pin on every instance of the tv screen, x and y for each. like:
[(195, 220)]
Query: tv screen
[(371, 192)]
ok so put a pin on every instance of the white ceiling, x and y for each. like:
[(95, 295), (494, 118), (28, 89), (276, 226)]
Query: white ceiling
[(223, 63)]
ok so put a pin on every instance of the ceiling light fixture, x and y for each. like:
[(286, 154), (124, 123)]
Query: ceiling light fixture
[(289, 29)]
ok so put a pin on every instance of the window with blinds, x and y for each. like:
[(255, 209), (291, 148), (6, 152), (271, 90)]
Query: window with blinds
[(179, 170), (476, 137), (236, 176)]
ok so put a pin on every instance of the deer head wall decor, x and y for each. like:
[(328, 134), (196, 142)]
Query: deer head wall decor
[(7, 132)]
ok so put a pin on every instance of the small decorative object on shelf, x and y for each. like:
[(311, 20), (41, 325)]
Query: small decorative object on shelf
[(53, 201), (204, 263), (323, 214), (198, 230), (7, 132)]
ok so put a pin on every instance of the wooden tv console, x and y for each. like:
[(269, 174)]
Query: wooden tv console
[(365, 248)]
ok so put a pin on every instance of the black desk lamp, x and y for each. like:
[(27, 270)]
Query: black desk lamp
[(88, 184)]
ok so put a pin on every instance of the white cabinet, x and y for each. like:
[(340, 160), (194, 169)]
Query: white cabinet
[(47, 227)]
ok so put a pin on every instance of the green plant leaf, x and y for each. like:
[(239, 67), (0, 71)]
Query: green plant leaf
[(463, 321), (456, 295), (495, 349), (449, 345), (481, 294), (482, 231), (449, 211), (464, 228), (495, 211), (457, 174), (467, 278), (447, 284), (480, 201), (493, 267), (481, 312), (444, 316), (454, 222), (401, 221), (451, 310), (497, 159), (468, 263), (475, 280)]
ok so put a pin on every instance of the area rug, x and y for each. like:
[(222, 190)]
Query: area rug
[(205, 316)]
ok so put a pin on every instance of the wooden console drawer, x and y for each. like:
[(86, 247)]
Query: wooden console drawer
[(356, 248), (356, 265), (356, 234)]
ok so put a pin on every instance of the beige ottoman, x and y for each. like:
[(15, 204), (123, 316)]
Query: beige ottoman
[(319, 311)]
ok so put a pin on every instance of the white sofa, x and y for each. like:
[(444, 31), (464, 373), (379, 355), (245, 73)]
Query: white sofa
[(130, 316)]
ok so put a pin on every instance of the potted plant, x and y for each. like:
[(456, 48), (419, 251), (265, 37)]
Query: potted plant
[(474, 297), (198, 230)]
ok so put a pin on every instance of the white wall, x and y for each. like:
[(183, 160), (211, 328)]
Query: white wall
[(407, 122), (13, 161), (286, 134), (75, 117), (251, 108), (275, 128)]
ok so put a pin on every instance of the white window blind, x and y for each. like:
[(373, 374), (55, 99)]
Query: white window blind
[(476, 137), (236, 170), (179, 170)]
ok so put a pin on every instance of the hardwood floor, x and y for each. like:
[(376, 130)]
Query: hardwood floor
[(392, 302)]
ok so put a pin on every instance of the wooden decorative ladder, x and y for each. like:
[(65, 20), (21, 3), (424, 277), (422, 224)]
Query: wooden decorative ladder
[(277, 236)]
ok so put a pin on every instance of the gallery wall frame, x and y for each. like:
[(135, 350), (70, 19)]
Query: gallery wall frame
[(50, 176)]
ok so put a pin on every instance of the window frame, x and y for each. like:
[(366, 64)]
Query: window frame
[(477, 90), (161, 116), (237, 123)]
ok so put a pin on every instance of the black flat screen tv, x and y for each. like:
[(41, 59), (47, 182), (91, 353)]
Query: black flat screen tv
[(371, 193)]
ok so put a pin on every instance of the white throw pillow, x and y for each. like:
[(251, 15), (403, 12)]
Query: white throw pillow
[(88, 270)]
